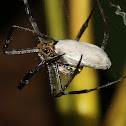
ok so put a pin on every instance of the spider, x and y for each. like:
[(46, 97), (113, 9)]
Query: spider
[(61, 56)]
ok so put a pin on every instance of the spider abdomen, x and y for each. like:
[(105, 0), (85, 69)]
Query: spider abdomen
[(93, 56)]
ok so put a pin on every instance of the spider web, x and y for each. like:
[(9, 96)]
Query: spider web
[(119, 12)]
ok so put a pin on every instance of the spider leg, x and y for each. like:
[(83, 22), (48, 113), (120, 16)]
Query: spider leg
[(73, 75), (15, 51), (32, 20), (38, 33), (106, 33), (89, 90), (58, 76), (26, 29), (51, 79), (30, 75), (34, 71), (85, 25), (61, 89), (51, 69)]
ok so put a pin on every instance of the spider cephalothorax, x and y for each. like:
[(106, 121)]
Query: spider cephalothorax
[(64, 56), (46, 48)]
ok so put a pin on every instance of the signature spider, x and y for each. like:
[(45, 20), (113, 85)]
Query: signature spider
[(61, 56)]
